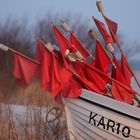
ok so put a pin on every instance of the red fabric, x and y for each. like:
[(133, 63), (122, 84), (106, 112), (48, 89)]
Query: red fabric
[(24, 70), (60, 76), (117, 74), (125, 70), (113, 25), (95, 78), (103, 30), (54, 75), (84, 71), (103, 75), (92, 61), (79, 45), (72, 89), (63, 44), (39, 50), (112, 28), (79, 68), (122, 94), (46, 71), (115, 70), (102, 61), (39, 54), (89, 85)]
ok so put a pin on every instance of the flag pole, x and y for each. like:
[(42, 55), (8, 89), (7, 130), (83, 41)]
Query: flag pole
[(5, 48), (67, 28), (100, 8)]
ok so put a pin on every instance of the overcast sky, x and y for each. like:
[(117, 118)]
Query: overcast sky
[(124, 12)]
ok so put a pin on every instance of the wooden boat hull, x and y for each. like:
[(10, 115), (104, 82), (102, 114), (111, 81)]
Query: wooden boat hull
[(93, 116)]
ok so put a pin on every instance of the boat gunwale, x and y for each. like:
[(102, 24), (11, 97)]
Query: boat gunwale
[(109, 108)]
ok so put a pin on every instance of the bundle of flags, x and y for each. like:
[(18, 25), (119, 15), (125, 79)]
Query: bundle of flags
[(63, 72)]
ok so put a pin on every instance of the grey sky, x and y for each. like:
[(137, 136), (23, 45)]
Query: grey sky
[(124, 12)]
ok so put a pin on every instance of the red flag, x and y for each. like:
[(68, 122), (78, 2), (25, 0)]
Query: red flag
[(24, 70), (72, 89), (79, 68), (46, 71), (63, 44), (116, 72), (102, 61), (89, 74), (96, 79), (39, 50), (60, 76), (79, 45), (122, 94), (54, 75), (112, 28), (113, 25), (89, 85), (103, 75), (125, 70), (107, 37)]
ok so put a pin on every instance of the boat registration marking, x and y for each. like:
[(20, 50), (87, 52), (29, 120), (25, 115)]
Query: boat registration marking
[(109, 125)]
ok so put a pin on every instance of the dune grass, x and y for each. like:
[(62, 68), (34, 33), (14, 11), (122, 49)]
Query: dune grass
[(32, 124)]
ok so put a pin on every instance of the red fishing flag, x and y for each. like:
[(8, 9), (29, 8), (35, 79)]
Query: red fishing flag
[(112, 28), (79, 68), (54, 75), (89, 85), (113, 25), (91, 76), (79, 45), (60, 76), (39, 50), (63, 43), (46, 71), (103, 75), (125, 70), (24, 70), (122, 94), (72, 89), (99, 82), (107, 37), (116, 72), (102, 61)]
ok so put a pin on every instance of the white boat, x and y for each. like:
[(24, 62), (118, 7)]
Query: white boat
[(93, 116)]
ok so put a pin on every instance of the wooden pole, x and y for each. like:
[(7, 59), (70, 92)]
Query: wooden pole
[(116, 40), (19, 53)]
